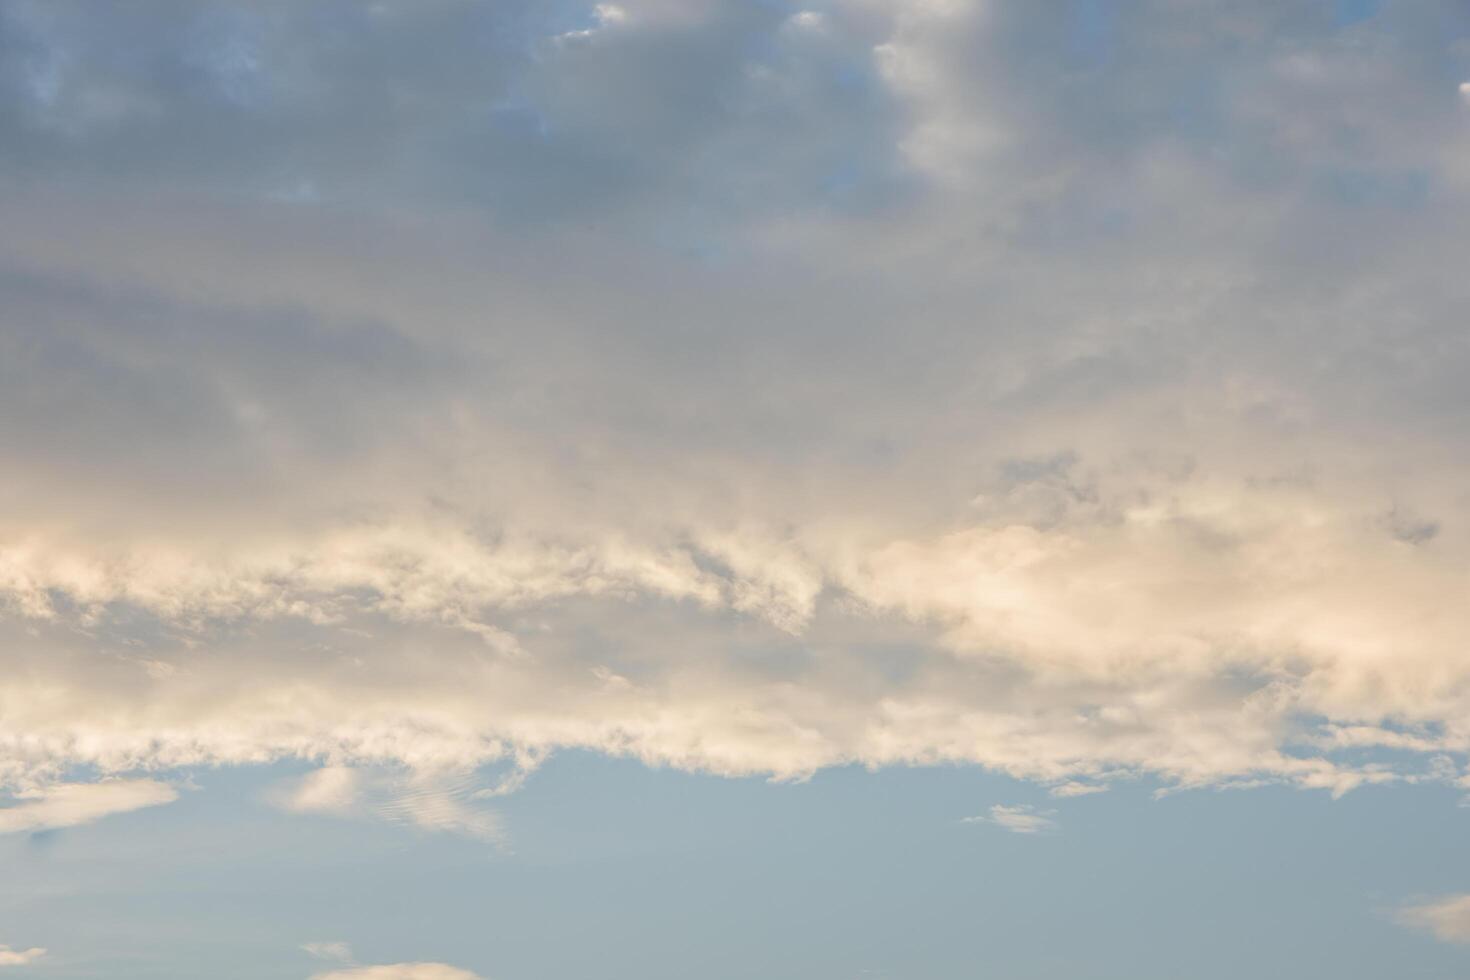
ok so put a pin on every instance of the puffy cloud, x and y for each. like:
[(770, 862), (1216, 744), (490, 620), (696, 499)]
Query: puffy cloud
[(732, 389), (1447, 918), (19, 957), (72, 804)]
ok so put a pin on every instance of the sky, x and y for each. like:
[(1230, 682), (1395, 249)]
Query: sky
[(733, 489)]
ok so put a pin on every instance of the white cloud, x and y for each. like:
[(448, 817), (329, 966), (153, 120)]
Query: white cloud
[(387, 971), (329, 951), (331, 789), (1447, 918), (399, 971), (19, 957), (429, 799), (1019, 819), (810, 20), (72, 804), (609, 13), (1070, 789)]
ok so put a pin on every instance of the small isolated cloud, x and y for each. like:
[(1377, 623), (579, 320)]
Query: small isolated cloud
[(400, 971), (340, 952), (19, 957), (71, 804), (1077, 789), (1446, 919), (1021, 819), (1465, 91)]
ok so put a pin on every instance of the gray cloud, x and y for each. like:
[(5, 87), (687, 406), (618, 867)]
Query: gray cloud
[(532, 111), (431, 387)]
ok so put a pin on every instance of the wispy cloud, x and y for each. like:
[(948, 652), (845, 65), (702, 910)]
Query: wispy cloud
[(1019, 819), (330, 789), (19, 957), (72, 804), (1074, 788), (429, 800), (338, 951), (1446, 918)]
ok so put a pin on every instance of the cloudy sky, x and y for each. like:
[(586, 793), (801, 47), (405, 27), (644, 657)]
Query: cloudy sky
[(729, 489)]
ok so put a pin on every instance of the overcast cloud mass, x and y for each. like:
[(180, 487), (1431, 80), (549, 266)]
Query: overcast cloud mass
[(418, 389)]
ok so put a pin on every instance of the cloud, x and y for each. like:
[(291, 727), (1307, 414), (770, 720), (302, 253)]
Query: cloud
[(1447, 918), (1070, 789), (730, 389), (331, 789), (428, 800), (73, 804), (399, 971), (685, 84), (388, 971), (1020, 819), (19, 957), (329, 950)]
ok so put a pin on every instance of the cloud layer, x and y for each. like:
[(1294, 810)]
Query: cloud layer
[(418, 387)]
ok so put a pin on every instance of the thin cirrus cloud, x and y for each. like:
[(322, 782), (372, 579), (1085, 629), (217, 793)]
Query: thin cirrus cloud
[(1081, 439)]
